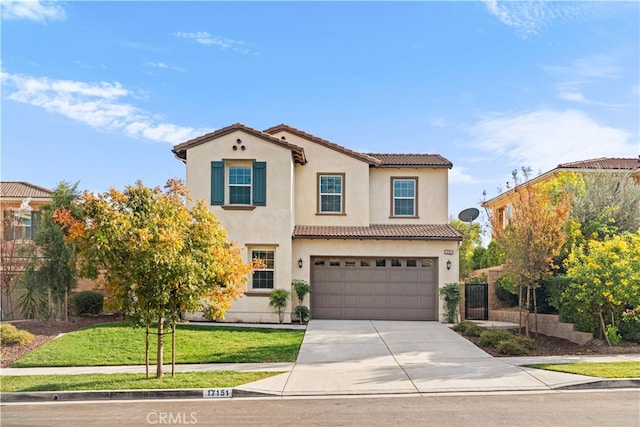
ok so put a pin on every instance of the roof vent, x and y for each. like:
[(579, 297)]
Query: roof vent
[(283, 137)]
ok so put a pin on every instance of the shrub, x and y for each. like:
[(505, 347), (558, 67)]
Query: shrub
[(10, 335), (493, 337), (302, 312), (511, 348), (451, 294), (529, 343), (506, 291), (613, 335), (88, 302), (629, 327), (468, 329)]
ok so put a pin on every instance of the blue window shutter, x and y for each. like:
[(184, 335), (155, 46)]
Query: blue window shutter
[(217, 183), (260, 183)]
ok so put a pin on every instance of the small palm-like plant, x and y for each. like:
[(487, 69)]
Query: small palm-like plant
[(278, 299)]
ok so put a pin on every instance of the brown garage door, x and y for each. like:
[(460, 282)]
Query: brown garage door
[(373, 288)]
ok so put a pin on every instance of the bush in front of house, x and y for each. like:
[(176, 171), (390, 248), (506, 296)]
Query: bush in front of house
[(493, 337), (629, 327), (88, 303), (511, 347), (468, 329), (10, 335)]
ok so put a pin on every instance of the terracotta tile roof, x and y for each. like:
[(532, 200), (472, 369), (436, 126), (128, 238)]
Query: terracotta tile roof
[(412, 160), (628, 163), (360, 156), (21, 190), (379, 232), (180, 150)]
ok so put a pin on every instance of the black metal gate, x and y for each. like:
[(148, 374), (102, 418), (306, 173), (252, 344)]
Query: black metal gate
[(476, 301)]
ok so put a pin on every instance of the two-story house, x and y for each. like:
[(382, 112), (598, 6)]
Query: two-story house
[(369, 232)]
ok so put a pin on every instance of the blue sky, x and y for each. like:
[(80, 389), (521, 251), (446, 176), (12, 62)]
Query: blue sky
[(97, 92)]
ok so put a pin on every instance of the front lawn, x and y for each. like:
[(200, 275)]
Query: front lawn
[(600, 369), (182, 380), (120, 344)]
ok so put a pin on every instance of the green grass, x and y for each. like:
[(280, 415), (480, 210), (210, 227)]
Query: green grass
[(602, 370), (182, 380), (120, 344)]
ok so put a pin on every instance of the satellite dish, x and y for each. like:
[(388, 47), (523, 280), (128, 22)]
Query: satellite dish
[(468, 215)]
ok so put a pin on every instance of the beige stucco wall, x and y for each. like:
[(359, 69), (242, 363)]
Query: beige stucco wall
[(325, 160), (267, 226), (306, 248), (432, 195)]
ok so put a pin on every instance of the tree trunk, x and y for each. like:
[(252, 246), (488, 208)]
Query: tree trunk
[(535, 312), (159, 373), (520, 308), (173, 350), (146, 352), (603, 330), (526, 314)]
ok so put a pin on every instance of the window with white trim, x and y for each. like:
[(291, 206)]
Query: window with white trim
[(240, 185), (263, 277), (404, 196), (331, 193)]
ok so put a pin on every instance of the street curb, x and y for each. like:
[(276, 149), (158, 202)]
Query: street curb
[(604, 384), (89, 395)]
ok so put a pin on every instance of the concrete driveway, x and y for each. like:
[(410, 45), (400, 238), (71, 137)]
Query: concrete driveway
[(340, 357)]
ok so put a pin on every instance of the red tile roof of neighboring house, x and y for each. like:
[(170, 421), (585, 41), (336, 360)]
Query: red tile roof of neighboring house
[(180, 150), (286, 128), (22, 190), (629, 163), (412, 160), (379, 232)]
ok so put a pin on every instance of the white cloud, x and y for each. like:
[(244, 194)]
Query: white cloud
[(458, 174), (543, 139), (529, 17), (97, 104), (32, 10), (207, 39)]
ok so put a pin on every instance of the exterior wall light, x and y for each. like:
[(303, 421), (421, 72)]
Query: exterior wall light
[(300, 263), (449, 265)]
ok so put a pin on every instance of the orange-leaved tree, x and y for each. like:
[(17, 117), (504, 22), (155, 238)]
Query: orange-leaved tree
[(158, 257), (532, 240)]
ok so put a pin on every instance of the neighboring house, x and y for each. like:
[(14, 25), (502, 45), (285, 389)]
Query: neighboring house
[(20, 205), (501, 207), (369, 232)]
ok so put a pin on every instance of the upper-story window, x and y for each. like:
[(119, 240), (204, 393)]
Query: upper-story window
[(20, 224), (238, 184), (404, 197), (331, 193)]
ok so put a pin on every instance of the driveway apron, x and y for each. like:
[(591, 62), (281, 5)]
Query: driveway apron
[(346, 357)]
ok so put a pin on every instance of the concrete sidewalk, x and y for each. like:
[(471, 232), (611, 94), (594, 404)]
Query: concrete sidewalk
[(381, 357)]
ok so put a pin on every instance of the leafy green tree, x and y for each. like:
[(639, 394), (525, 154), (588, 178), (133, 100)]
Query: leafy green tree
[(52, 269), (608, 204), (604, 280), (158, 257), (471, 239)]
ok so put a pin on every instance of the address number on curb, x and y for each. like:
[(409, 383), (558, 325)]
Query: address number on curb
[(216, 393)]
